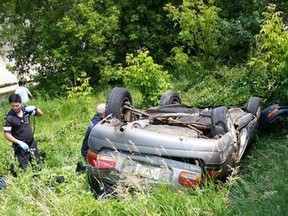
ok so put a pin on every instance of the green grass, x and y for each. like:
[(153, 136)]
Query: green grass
[(262, 185), (259, 189)]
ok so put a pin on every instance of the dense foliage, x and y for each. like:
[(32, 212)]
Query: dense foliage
[(269, 64), (202, 44)]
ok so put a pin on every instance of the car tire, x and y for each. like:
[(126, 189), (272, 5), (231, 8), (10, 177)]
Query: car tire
[(219, 121), (116, 99), (254, 106), (170, 97)]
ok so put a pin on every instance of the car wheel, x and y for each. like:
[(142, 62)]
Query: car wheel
[(219, 121), (117, 98), (170, 97), (254, 106)]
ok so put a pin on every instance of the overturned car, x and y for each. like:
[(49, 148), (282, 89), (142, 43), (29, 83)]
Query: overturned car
[(170, 144)]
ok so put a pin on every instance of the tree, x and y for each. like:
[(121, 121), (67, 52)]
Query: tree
[(63, 39), (188, 39), (269, 63), (197, 46)]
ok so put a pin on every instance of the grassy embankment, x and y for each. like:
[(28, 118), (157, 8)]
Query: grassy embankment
[(260, 188)]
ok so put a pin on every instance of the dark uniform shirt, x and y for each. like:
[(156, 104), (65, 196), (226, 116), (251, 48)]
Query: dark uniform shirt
[(19, 127), (95, 120)]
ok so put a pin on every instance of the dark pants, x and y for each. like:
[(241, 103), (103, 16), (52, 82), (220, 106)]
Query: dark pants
[(25, 157), (84, 150)]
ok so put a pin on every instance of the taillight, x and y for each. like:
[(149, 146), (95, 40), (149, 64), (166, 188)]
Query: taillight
[(189, 179), (101, 162), (271, 114)]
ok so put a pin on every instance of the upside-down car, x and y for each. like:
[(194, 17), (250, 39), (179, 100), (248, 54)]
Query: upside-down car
[(171, 144)]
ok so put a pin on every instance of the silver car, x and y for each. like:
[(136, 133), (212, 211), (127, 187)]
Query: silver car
[(170, 144)]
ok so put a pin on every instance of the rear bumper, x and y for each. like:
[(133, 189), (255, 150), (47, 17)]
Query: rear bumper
[(134, 170)]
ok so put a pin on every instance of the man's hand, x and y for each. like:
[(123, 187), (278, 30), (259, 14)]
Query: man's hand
[(30, 110), (23, 145)]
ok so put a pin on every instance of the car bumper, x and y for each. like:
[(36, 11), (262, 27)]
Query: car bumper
[(142, 170)]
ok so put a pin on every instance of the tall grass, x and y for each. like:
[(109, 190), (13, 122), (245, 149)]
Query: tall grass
[(260, 188)]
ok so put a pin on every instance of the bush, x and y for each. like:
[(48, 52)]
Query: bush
[(142, 75)]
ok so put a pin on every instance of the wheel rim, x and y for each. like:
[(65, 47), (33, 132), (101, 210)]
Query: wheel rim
[(175, 101)]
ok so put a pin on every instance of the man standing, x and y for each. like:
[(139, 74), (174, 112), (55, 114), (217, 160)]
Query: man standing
[(23, 91), (100, 114), (17, 129)]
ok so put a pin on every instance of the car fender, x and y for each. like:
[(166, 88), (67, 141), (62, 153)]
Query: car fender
[(271, 113)]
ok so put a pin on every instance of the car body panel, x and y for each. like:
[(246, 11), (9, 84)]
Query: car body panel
[(271, 113), (134, 140)]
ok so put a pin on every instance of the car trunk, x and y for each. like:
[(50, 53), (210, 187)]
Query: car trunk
[(161, 140)]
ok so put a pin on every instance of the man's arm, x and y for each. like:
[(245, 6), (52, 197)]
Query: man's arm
[(10, 138), (7, 127), (33, 110), (38, 112), (29, 93)]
